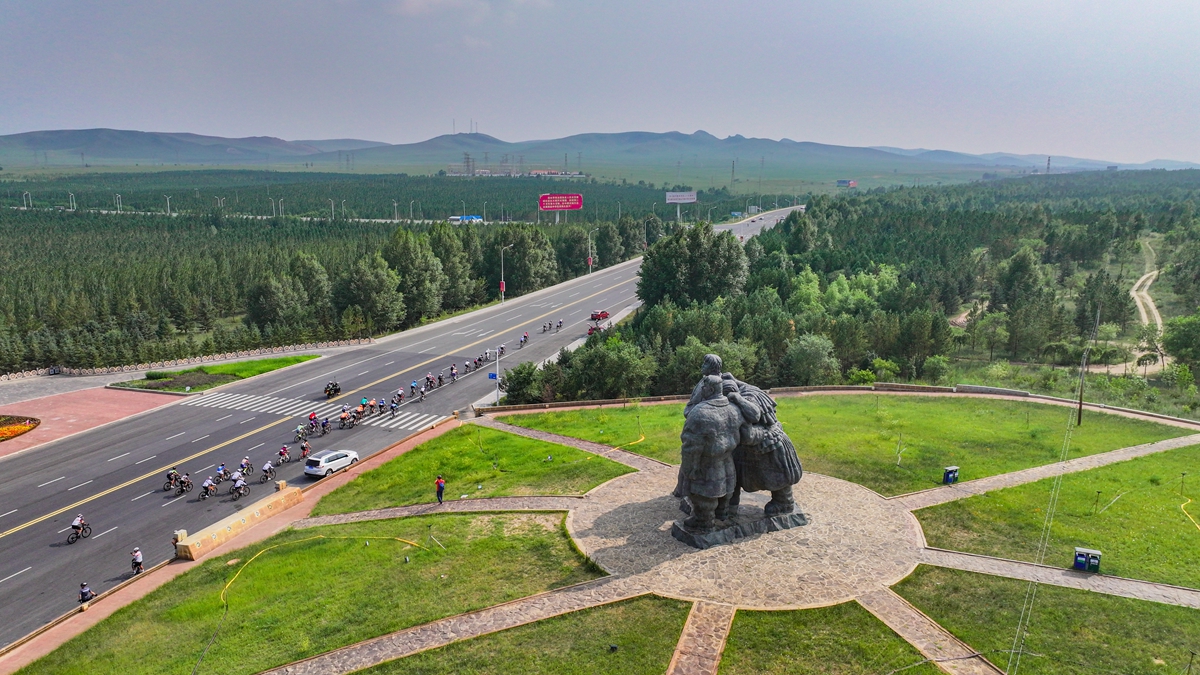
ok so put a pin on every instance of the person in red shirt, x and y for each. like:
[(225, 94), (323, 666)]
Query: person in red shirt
[(441, 488)]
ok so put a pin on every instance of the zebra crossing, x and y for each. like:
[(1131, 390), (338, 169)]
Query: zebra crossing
[(296, 408)]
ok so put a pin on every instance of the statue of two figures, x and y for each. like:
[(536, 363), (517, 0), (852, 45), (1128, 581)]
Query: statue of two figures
[(733, 442)]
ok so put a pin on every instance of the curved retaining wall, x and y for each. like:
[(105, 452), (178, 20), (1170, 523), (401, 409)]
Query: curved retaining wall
[(201, 543)]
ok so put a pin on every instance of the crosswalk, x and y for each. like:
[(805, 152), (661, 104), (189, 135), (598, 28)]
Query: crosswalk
[(296, 408)]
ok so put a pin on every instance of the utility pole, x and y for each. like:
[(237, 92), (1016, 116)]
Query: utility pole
[(502, 250), (410, 203), (343, 208), (331, 213), (1047, 165), (167, 196), (273, 214), (590, 249), (395, 210)]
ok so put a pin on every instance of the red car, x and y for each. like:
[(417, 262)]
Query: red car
[(595, 329), (599, 315)]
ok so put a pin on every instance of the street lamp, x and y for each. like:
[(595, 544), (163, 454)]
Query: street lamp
[(281, 207), (395, 210), (118, 202), (72, 195), (331, 214), (710, 213), (343, 208), (502, 250), (485, 213), (167, 196), (464, 210), (410, 203), (590, 249), (273, 214), (618, 212)]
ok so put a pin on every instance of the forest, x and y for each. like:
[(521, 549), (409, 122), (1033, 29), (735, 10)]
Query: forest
[(914, 285)]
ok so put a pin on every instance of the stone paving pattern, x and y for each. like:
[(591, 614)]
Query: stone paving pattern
[(949, 493), (615, 454), (933, 641), (445, 631), (552, 503), (703, 640), (1057, 576)]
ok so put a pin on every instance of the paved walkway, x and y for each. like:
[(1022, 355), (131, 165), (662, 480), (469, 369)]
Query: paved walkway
[(933, 641), (557, 503), (949, 493), (615, 454), (1057, 576), (703, 640), (68, 414), (452, 629)]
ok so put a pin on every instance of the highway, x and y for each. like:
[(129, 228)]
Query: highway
[(114, 475)]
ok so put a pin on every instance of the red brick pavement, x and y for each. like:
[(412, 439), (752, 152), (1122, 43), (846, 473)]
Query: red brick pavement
[(64, 415)]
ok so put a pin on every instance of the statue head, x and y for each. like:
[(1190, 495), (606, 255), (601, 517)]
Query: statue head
[(710, 387), (712, 365)]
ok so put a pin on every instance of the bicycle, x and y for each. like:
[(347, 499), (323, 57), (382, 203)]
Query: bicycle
[(183, 487), (208, 492), (300, 436), (170, 485), (84, 532), (267, 475), (238, 493)]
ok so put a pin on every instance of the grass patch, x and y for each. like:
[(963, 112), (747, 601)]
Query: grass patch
[(312, 596), (1136, 519), (207, 377), (840, 640), (617, 427), (645, 631), (507, 465), (855, 437), (1076, 632)]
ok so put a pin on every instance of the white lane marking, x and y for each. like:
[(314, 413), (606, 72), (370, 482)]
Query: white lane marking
[(201, 438), (244, 421), (104, 532), (389, 363), (487, 333), (256, 447), (224, 418), (15, 574), (175, 436), (8, 514), (146, 460), (64, 529), (575, 312), (117, 457), (145, 495), (430, 348), (362, 373), (572, 295), (205, 468), (176, 499), (52, 481), (79, 486)]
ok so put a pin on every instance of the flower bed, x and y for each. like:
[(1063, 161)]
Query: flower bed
[(11, 427)]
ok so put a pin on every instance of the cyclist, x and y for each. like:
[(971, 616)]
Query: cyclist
[(209, 486), (422, 393), (412, 388), (325, 426), (560, 323), (453, 372), (78, 524), (137, 560), (312, 418), (440, 381), (305, 448), (221, 470), (85, 593), (371, 406), (186, 480), (237, 475), (267, 468), (526, 336), (345, 418), (364, 402), (345, 407), (393, 407), (245, 465), (239, 484), (300, 431), (283, 455)]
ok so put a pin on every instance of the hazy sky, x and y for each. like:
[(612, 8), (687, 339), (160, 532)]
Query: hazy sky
[(1107, 80)]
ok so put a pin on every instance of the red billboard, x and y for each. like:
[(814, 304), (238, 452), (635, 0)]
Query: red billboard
[(553, 202)]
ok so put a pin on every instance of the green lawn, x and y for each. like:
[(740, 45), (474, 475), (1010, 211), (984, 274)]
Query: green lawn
[(1136, 519), (855, 437), (207, 377), (506, 465), (1075, 632), (840, 640), (620, 427), (314, 595), (644, 630)]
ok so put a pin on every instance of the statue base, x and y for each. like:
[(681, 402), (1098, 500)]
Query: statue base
[(736, 527)]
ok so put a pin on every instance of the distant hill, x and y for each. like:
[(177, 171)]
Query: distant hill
[(699, 159)]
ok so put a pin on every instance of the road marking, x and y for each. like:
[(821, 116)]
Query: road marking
[(571, 296), (145, 495), (201, 438), (15, 574), (363, 373), (64, 529), (224, 418), (145, 460), (205, 468), (117, 457), (244, 421), (389, 363), (8, 514), (104, 533), (53, 481), (175, 436), (176, 499), (78, 486), (131, 481), (423, 351), (257, 447)]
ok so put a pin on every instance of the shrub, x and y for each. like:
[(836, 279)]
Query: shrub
[(861, 377), (937, 368)]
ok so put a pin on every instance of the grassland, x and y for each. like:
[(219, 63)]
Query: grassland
[(475, 461), (313, 594), (644, 631), (840, 640), (1130, 511), (856, 437), (207, 377), (1071, 632)]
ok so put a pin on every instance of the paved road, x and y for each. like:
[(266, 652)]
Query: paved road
[(114, 475)]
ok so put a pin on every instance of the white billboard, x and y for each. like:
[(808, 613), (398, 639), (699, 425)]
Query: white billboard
[(681, 197)]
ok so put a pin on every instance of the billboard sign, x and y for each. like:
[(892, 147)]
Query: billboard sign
[(681, 197), (553, 202)]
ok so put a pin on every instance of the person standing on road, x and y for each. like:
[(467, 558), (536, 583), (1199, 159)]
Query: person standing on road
[(441, 488)]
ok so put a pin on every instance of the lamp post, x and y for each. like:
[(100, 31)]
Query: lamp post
[(618, 213), (118, 202), (485, 213), (395, 210), (410, 203), (497, 376), (273, 214), (710, 213), (343, 208), (464, 209), (72, 195), (331, 214), (590, 249), (167, 196), (281, 207), (502, 250)]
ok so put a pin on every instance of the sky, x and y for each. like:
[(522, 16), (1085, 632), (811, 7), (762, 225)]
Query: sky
[(1110, 80)]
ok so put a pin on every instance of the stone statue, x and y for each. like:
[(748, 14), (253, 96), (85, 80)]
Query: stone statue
[(760, 453)]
